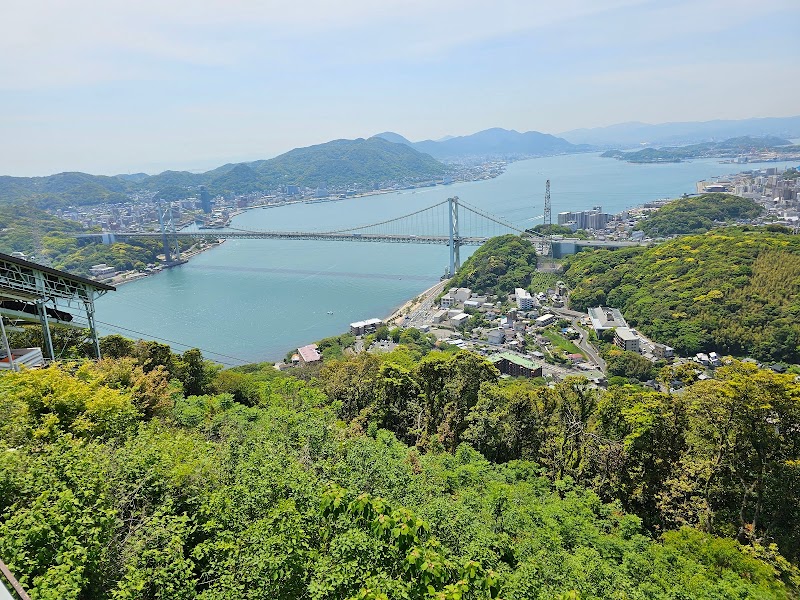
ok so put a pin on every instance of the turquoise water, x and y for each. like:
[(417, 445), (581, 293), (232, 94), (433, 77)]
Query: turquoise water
[(252, 300)]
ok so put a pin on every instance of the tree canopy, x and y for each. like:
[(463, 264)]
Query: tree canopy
[(393, 476), (731, 290)]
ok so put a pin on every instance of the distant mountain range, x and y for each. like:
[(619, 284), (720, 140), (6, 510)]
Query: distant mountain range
[(630, 135), (490, 143), (340, 164)]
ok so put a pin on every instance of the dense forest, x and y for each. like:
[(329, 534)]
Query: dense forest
[(733, 290), (698, 215), (339, 163), (500, 265), (152, 475), (47, 237)]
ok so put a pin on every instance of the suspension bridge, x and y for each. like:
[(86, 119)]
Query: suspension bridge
[(451, 222)]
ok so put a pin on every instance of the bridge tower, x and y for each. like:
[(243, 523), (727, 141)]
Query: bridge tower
[(455, 239), (172, 249), (548, 220)]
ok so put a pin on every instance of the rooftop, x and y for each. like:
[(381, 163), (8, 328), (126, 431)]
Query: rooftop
[(514, 358), (603, 317), (309, 353), (626, 334)]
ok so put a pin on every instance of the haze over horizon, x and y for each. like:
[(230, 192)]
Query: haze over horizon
[(152, 86)]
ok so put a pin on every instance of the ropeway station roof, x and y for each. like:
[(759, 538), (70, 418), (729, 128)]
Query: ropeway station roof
[(28, 280)]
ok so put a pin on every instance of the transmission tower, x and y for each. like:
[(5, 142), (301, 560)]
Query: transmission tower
[(172, 249), (548, 220)]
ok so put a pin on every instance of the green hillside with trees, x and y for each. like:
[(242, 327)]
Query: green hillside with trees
[(339, 163), (500, 265), (155, 475), (733, 290), (698, 214)]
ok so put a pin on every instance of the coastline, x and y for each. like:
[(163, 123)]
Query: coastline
[(415, 303), (186, 257)]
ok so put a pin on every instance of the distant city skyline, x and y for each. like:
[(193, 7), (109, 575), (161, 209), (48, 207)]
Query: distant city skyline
[(150, 86)]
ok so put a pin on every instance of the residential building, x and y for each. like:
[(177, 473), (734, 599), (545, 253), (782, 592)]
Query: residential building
[(496, 336), (663, 351), (515, 365), (309, 354), (626, 339), (362, 327), (545, 320), (440, 316), (459, 319), (524, 299)]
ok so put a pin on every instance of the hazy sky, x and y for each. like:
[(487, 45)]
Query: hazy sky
[(145, 85)]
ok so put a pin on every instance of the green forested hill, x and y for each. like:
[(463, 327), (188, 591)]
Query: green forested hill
[(500, 265), (733, 290), (153, 475), (339, 163), (698, 214)]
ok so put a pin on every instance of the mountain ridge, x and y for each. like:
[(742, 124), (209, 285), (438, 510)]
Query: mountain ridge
[(493, 142), (636, 133), (337, 163)]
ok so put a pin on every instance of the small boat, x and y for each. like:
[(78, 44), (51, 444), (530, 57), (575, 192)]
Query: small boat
[(330, 312)]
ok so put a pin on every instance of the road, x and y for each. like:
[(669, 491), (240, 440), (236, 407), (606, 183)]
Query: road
[(583, 341)]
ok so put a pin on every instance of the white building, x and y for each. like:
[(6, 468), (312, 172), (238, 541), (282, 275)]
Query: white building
[(626, 339), (459, 319), (545, 320), (362, 327), (606, 318), (496, 336), (524, 299)]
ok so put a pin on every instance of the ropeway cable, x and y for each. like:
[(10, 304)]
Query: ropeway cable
[(155, 337)]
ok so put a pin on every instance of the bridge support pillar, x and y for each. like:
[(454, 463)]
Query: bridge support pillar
[(455, 240), (172, 249)]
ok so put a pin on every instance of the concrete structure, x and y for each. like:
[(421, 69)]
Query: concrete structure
[(545, 320), (459, 319), (472, 304), (362, 327), (663, 351), (496, 336), (524, 299), (606, 318), (309, 354), (515, 365), (626, 339), (440, 316), (102, 271)]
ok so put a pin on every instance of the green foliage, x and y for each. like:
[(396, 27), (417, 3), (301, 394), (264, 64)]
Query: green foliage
[(632, 365), (340, 163), (500, 265), (564, 492), (698, 214), (734, 291)]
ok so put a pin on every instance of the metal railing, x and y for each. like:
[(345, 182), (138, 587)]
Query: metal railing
[(21, 593)]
